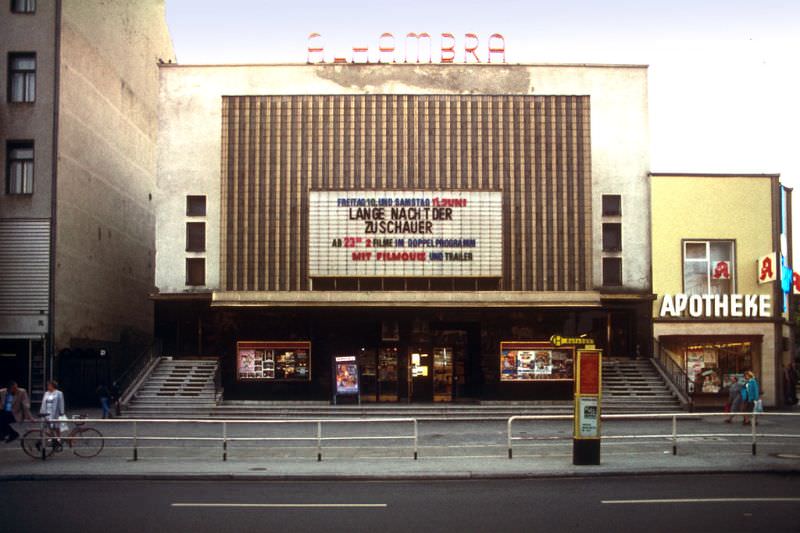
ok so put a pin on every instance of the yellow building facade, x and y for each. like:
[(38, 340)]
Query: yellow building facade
[(713, 318)]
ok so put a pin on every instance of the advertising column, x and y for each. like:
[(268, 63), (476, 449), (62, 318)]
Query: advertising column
[(588, 387)]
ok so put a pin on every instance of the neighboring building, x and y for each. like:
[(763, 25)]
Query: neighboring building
[(717, 312), (291, 225), (78, 132)]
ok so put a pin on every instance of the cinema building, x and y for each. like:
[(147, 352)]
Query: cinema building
[(723, 281), (454, 230)]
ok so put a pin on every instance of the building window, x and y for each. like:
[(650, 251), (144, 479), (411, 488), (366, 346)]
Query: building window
[(19, 167), (612, 237), (195, 236), (708, 267), (23, 6), (195, 271), (196, 206), (612, 205), (21, 77), (612, 271)]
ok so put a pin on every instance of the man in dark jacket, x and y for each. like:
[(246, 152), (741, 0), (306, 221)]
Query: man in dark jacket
[(15, 406)]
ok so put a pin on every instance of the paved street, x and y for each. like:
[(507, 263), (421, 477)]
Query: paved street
[(725, 503)]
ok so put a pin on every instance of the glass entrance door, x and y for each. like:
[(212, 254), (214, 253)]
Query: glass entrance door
[(442, 374), (421, 383), (387, 374)]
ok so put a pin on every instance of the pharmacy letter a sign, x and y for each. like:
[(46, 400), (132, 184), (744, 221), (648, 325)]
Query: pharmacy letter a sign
[(767, 268)]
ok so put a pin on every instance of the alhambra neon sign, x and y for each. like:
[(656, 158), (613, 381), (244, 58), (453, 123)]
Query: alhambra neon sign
[(414, 49)]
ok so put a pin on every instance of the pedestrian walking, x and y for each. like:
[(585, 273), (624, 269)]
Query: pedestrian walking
[(114, 390), (790, 383), (734, 403), (750, 394), (53, 408), (104, 396), (16, 407)]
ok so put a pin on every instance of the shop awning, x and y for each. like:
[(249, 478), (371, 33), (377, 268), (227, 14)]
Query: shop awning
[(404, 299)]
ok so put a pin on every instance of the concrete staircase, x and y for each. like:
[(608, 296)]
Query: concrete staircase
[(176, 388), (635, 386)]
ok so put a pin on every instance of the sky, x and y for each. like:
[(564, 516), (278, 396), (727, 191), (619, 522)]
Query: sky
[(723, 81)]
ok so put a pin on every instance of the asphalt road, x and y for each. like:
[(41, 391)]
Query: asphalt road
[(725, 503)]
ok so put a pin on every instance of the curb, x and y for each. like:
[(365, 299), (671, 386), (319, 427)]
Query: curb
[(450, 476)]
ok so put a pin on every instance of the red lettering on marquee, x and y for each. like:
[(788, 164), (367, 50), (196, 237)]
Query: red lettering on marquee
[(766, 269), (796, 282), (384, 48), (471, 49), (315, 48), (387, 49), (449, 51), (419, 37), (494, 48)]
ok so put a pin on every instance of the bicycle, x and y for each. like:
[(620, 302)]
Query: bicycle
[(84, 441)]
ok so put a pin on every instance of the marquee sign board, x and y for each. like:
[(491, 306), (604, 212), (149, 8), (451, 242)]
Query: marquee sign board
[(408, 233)]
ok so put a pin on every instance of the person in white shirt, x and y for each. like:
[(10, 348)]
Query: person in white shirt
[(53, 406)]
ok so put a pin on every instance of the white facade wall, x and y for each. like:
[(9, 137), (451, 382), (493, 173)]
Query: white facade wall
[(190, 135)]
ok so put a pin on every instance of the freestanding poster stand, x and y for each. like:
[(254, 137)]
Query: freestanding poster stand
[(588, 389), (345, 375)]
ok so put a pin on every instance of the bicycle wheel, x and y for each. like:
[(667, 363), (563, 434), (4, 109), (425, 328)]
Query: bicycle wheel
[(89, 442), (31, 443)]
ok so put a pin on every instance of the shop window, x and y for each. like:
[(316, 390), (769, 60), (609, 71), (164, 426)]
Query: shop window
[(195, 271), (612, 237), (612, 271), (712, 366), (19, 167), (23, 6), (612, 205), (708, 267), (195, 236), (196, 206), (21, 77)]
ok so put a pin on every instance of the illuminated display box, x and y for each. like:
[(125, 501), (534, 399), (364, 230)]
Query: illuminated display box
[(536, 361), (273, 361)]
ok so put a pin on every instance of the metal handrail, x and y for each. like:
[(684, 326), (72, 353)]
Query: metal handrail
[(135, 369), (319, 437), (673, 372), (674, 435)]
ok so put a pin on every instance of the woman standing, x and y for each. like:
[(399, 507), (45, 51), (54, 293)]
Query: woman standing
[(750, 394), (53, 407)]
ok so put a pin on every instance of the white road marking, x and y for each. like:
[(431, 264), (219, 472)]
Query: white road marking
[(699, 500), (284, 505)]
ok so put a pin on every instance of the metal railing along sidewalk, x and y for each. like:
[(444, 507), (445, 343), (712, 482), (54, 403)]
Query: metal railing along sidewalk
[(225, 438), (674, 436)]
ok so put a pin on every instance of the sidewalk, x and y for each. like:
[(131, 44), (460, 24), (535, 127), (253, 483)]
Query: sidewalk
[(447, 450)]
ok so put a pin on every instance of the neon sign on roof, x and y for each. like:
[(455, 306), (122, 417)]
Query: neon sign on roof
[(417, 48)]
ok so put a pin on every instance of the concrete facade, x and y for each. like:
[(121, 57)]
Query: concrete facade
[(93, 125), (190, 139), (107, 165)]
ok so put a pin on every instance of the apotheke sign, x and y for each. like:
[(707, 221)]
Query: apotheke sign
[(717, 305)]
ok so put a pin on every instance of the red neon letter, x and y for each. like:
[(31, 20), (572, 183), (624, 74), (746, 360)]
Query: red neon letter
[(384, 48), (448, 51), (495, 48), (471, 49), (360, 51), (315, 48), (419, 38)]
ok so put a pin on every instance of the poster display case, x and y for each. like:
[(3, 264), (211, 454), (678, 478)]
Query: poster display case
[(536, 361), (273, 361), (346, 375)]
